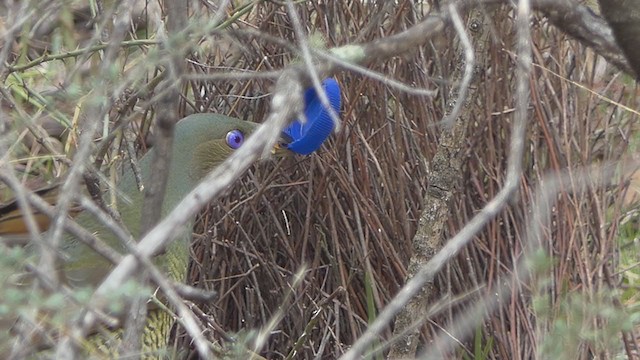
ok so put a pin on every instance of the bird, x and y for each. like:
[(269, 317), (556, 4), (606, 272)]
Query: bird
[(303, 136), (201, 142)]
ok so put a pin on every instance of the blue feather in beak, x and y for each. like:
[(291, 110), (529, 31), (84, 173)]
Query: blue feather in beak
[(308, 137)]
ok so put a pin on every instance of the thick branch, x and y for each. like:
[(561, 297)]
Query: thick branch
[(443, 180), (624, 18), (583, 24)]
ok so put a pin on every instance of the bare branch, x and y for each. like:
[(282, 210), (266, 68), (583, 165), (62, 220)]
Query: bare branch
[(580, 22)]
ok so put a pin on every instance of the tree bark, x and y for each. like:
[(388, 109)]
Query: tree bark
[(624, 18), (443, 181)]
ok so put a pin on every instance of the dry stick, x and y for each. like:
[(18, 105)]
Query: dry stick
[(234, 75), (265, 332), (219, 15), (475, 26), (624, 18), (443, 180), (590, 29), (428, 270), (514, 170), (308, 62), (186, 316), (311, 324), (377, 76), (8, 176), (48, 249), (66, 347), (12, 31), (587, 27), (601, 39), (583, 24), (71, 226), (47, 263), (546, 196), (286, 103), (156, 187), (65, 199), (96, 244), (170, 289)]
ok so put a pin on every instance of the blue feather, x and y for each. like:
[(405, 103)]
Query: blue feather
[(308, 137)]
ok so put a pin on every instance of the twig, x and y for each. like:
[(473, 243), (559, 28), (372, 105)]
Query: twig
[(428, 270)]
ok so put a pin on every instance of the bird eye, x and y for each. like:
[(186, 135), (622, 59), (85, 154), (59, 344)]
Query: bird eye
[(235, 138)]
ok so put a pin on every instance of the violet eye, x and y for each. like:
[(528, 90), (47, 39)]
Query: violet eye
[(235, 138)]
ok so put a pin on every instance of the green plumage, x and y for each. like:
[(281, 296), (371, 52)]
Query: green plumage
[(199, 146)]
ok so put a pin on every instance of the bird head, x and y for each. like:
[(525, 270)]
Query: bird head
[(205, 140)]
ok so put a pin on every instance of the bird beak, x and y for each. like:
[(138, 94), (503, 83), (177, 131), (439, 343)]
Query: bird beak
[(281, 150)]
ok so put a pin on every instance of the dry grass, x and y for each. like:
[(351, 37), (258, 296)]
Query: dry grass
[(347, 214)]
